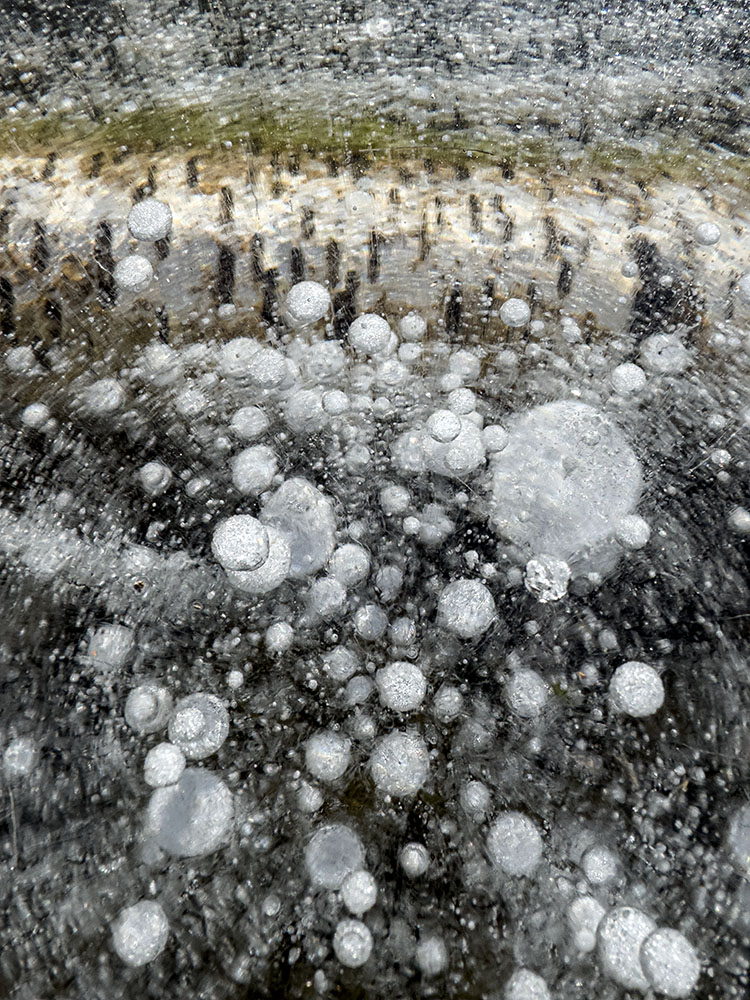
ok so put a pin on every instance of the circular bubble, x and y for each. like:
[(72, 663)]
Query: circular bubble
[(334, 851), (140, 933), (192, 817), (150, 220)]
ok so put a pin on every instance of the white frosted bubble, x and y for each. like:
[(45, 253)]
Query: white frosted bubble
[(565, 479), (357, 691), (306, 518), (359, 892), (104, 397), (665, 354), (341, 663), (584, 916), (707, 234), (240, 543), (350, 564), (148, 707), (526, 985), (515, 312), (352, 943), (402, 686), (254, 468), (495, 437), (328, 754), (412, 327), (547, 578), (279, 637), (370, 622), (738, 839), (334, 851), (249, 423), (20, 757), (465, 364), (133, 273), (447, 703), (160, 364), (466, 607), (527, 693), (514, 843), (306, 303), (271, 573), (394, 499), (431, 956), (633, 532), (155, 478), (110, 645), (388, 582), (739, 521), (191, 402), (236, 357), (414, 859), (636, 689), (670, 963), (600, 865), (629, 269), (304, 412), (192, 817), (309, 798), (35, 415), (140, 933), (335, 402), (399, 764), (475, 799), (163, 765), (462, 401), (150, 220), (199, 725), (619, 938), (20, 360), (628, 378), (370, 334), (743, 287), (443, 426)]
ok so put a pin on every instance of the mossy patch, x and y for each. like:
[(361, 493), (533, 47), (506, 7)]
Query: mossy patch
[(368, 138)]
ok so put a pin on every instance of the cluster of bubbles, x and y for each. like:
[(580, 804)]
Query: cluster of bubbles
[(319, 442)]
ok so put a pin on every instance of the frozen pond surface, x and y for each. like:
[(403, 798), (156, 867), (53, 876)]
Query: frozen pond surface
[(374, 519)]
